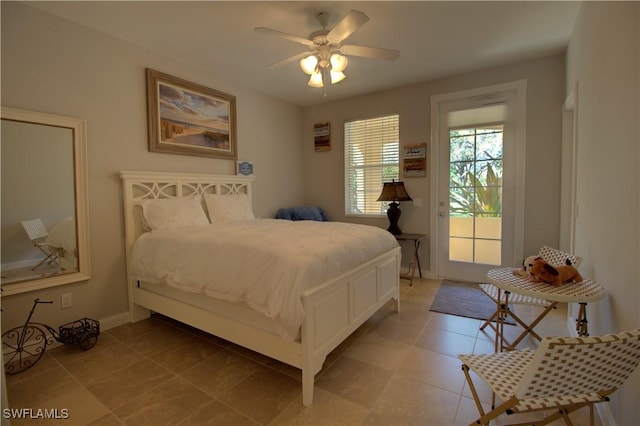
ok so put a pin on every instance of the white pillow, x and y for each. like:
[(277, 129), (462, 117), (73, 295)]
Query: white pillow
[(227, 208), (174, 213)]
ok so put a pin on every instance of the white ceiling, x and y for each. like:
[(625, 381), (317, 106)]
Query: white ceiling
[(435, 39)]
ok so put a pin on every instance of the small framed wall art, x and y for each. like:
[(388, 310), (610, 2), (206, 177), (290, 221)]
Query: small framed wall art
[(414, 160), (189, 119), (245, 168), (322, 136)]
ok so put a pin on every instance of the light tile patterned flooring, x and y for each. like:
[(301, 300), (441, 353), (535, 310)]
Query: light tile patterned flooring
[(397, 369)]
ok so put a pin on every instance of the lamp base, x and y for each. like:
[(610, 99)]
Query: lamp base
[(393, 213)]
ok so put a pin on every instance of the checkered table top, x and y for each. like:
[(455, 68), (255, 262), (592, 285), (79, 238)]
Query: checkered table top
[(583, 292)]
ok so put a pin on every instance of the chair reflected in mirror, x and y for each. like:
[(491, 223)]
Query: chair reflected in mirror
[(38, 234)]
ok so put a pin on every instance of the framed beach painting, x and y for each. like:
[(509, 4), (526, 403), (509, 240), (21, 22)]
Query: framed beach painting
[(189, 119)]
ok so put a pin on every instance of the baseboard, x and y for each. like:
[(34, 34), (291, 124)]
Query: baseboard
[(114, 321), (601, 410), (429, 274), (605, 415)]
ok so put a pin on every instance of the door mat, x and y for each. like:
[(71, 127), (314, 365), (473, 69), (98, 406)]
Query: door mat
[(464, 299)]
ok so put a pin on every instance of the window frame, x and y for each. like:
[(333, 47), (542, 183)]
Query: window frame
[(379, 165)]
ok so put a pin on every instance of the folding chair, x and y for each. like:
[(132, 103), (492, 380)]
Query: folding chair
[(564, 374), (553, 257), (37, 233)]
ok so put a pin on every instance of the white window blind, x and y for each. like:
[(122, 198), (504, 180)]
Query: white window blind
[(371, 158)]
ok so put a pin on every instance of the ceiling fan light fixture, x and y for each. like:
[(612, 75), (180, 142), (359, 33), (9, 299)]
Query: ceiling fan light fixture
[(316, 79), (339, 62), (325, 60), (337, 76), (309, 64)]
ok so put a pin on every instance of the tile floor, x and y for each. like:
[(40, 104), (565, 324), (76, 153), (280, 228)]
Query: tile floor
[(397, 369)]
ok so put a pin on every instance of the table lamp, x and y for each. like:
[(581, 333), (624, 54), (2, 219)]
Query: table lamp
[(394, 191)]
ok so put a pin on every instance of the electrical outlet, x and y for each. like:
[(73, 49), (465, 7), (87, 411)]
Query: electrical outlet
[(65, 300)]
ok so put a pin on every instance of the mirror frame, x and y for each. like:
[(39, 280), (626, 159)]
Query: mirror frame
[(79, 130)]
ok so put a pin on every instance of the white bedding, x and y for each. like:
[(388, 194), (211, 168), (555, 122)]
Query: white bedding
[(265, 264)]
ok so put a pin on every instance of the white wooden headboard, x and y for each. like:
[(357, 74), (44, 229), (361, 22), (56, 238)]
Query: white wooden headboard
[(141, 186)]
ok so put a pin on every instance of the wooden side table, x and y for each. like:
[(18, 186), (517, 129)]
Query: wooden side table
[(415, 261)]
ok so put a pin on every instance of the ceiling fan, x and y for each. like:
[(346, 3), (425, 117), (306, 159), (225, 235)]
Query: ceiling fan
[(326, 58)]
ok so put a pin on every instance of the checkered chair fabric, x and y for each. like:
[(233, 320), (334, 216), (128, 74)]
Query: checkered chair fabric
[(557, 257), (563, 371), (514, 298), (37, 233), (35, 229), (579, 367)]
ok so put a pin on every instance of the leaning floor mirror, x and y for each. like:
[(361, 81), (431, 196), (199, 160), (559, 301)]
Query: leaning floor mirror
[(45, 229)]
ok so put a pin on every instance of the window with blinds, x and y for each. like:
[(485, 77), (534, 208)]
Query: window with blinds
[(371, 157)]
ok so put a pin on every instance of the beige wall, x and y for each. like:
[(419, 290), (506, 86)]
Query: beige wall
[(54, 66), (603, 59), (323, 171)]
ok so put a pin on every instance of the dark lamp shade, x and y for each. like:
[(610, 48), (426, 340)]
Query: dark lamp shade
[(394, 191)]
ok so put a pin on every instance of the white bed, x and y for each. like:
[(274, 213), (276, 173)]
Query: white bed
[(332, 308)]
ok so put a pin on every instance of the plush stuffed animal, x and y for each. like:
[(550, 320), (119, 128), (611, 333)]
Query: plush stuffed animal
[(527, 264), (543, 272)]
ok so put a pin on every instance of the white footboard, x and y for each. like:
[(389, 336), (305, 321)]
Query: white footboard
[(332, 312), (336, 309)]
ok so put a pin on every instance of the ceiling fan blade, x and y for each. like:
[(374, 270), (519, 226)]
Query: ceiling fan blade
[(291, 59), (371, 52), (343, 29), (280, 34)]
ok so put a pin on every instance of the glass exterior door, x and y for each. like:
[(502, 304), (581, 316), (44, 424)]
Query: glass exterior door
[(478, 173), (475, 194)]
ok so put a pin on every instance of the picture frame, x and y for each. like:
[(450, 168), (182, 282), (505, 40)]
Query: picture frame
[(245, 168), (322, 137), (186, 118), (414, 160)]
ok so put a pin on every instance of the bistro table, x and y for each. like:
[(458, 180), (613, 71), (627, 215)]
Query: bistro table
[(507, 282)]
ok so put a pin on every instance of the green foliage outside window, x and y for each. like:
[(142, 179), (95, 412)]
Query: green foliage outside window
[(475, 176)]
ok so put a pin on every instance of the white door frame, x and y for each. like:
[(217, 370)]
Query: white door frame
[(569, 179), (520, 87), (568, 186)]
